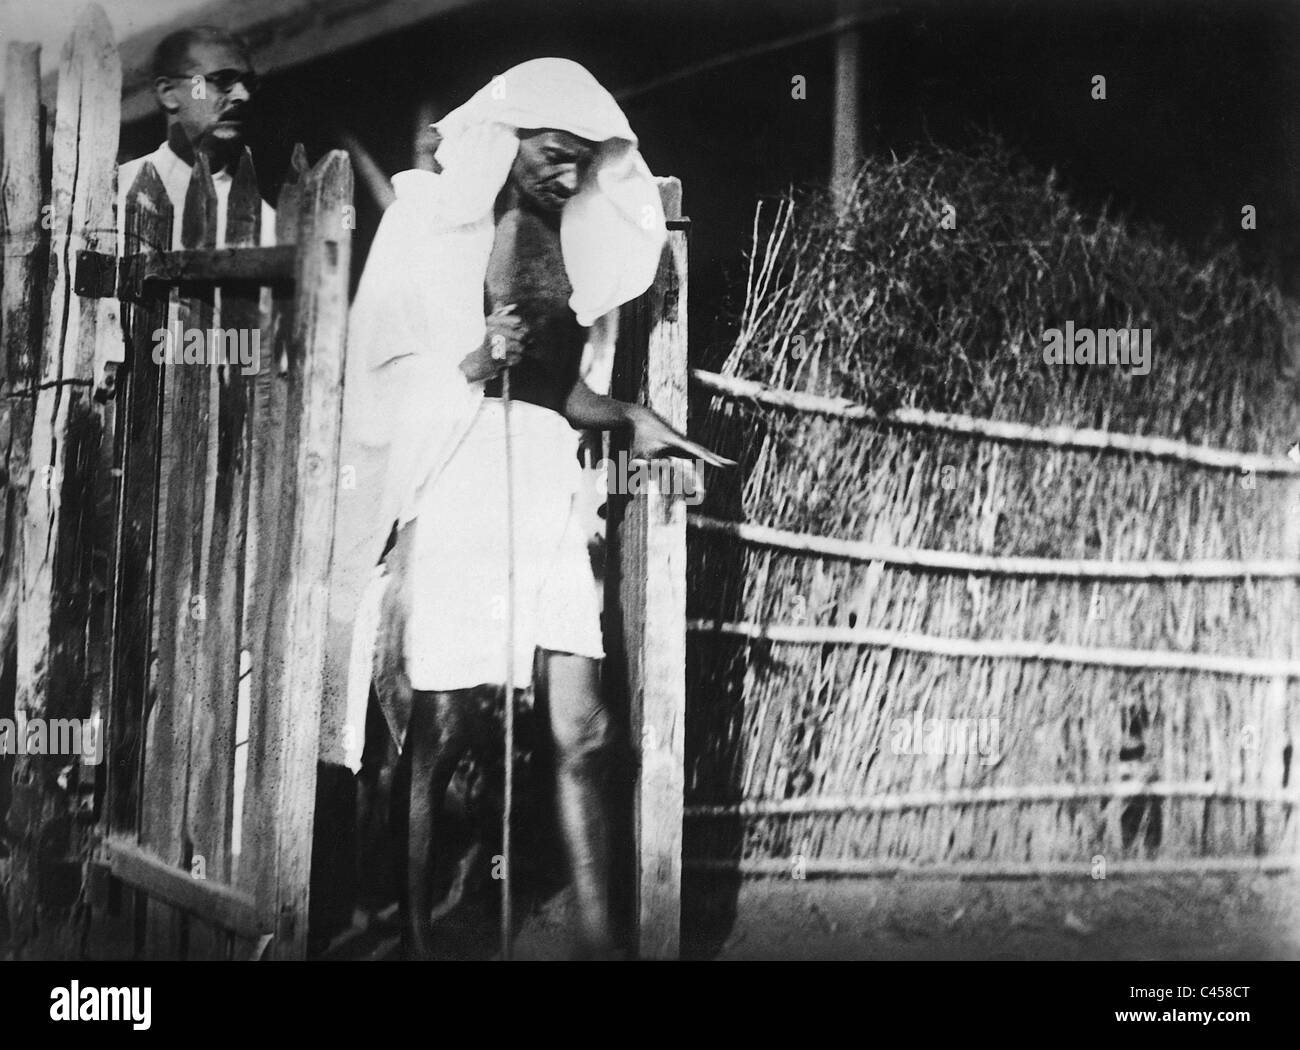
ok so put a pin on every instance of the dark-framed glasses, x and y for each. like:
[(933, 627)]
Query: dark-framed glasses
[(224, 80)]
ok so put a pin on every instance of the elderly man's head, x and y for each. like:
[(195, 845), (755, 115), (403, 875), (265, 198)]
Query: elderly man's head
[(550, 166), (204, 80)]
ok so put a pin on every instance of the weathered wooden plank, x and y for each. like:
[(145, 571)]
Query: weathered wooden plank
[(179, 575), (256, 265), (20, 337), (20, 192), (649, 549), (55, 605), (270, 513), (20, 301), (315, 404), (166, 884), (216, 671), (148, 227)]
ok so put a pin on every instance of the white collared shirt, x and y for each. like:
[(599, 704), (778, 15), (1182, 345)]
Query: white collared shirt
[(175, 176)]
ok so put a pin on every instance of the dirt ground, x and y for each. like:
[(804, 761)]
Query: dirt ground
[(1215, 917), (1184, 917)]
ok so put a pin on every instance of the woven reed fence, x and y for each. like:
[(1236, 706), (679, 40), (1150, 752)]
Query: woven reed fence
[(1053, 635)]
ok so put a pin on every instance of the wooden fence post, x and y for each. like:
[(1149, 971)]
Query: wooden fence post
[(20, 323), (648, 539), (20, 328), (20, 189), (314, 417), (270, 513), (216, 670), (148, 228), (179, 576), (54, 599), (146, 224)]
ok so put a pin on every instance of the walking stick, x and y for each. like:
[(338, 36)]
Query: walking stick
[(509, 801)]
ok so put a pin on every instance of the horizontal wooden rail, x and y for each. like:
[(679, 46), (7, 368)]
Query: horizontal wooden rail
[(1082, 868), (213, 902), (997, 648), (101, 275), (219, 264), (800, 807), (1074, 438), (995, 565)]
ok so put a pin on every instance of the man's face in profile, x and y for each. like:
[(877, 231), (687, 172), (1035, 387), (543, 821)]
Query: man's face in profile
[(215, 121), (550, 166)]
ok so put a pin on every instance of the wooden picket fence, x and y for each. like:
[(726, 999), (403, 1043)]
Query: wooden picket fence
[(161, 531), (168, 540)]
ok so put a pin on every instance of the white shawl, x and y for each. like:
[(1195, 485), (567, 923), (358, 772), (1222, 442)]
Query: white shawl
[(419, 308)]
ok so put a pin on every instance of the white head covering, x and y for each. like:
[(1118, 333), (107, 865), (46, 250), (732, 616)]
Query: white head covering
[(611, 232), (419, 306)]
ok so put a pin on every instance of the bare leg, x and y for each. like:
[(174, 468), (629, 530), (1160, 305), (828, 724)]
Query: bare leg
[(436, 738), (374, 784), (583, 733)]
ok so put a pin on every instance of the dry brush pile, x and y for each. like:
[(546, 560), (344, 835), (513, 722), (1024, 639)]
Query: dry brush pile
[(883, 305)]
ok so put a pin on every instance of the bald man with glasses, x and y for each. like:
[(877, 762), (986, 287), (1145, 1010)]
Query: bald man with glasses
[(204, 83)]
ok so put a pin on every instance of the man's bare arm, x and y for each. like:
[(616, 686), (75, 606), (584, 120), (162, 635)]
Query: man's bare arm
[(651, 434), (587, 410)]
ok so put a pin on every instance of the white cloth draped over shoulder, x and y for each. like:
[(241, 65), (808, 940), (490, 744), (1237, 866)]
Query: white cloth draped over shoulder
[(419, 309)]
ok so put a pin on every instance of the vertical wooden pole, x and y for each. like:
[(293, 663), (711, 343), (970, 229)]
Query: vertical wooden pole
[(22, 237), (55, 607), (846, 144), (210, 792), (20, 190), (649, 541), (368, 172), (315, 414), (270, 514), (146, 225), (148, 228), (180, 572), (20, 307), (1287, 232)]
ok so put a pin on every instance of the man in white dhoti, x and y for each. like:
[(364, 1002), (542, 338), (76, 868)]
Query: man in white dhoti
[(544, 218)]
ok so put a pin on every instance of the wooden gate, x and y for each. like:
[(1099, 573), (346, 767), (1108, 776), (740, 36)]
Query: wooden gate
[(213, 462)]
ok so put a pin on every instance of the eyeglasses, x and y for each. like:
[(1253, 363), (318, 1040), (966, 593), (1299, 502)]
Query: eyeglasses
[(224, 80)]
